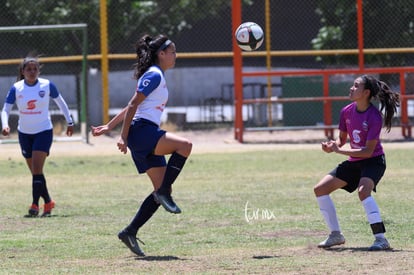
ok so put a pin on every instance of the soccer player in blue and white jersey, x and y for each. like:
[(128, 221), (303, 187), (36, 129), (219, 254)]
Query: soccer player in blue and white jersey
[(31, 95), (141, 133), (362, 122)]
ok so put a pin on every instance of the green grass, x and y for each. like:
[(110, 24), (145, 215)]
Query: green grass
[(97, 196)]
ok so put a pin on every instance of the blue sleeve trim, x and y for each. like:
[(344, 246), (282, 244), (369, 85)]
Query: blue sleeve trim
[(54, 93), (11, 96), (149, 82)]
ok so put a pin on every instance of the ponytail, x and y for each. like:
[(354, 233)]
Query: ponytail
[(147, 49), (389, 100)]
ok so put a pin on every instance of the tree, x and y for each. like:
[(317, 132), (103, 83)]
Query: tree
[(126, 20), (387, 24)]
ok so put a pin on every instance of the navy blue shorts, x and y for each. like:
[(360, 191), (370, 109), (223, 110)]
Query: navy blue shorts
[(143, 137), (352, 171), (35, 142)]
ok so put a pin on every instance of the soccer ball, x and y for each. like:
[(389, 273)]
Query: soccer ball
[(249, 36)]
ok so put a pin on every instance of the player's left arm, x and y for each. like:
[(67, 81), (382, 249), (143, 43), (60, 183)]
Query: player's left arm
[(61, 103), (363, 152), (371, 140)]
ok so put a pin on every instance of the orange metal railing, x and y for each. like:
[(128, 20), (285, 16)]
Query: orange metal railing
[(326, 98)]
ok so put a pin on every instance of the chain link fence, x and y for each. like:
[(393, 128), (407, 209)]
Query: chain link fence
[(201, 83)]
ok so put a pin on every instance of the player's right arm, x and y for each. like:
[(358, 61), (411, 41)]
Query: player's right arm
[(102, 129), (5, 113), (341, 140), (329, 146), (129, 115)]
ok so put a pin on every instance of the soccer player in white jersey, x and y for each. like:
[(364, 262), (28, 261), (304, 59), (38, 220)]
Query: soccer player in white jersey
[(361, 122), (141, 133), (31, 95)]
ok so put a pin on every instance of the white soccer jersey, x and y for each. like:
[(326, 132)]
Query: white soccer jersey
[(33, 105), (153, 85)]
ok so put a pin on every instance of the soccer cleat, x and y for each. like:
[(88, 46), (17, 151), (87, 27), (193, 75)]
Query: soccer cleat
[(131, 242), (167, 202), (335, 238), (380, 244), (47, 209), (33, 210)]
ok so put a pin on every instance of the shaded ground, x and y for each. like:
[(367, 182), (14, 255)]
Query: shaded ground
[(217, 140)]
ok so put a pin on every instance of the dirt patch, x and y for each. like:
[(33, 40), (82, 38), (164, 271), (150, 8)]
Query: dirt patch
[(292, 233)]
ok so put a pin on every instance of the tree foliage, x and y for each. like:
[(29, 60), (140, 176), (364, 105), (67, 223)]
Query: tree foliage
[(387, 24), (127, 19)]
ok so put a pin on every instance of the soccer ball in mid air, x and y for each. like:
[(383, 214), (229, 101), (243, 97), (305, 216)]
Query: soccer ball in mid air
[(249, 36)]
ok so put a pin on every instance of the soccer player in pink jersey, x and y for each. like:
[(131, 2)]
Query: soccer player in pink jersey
[(31, 95), (362, 122)]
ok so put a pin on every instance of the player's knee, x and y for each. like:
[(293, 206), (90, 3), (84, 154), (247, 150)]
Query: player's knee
[(365, 188), (185, 148), (317, 190), (364, 192), (323, 188)]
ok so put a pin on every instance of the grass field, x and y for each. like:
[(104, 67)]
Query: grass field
[(250, 212)]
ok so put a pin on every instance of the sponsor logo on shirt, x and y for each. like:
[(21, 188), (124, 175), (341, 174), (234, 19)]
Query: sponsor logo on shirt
[(161, 108), (365, 126), (146, 82), (31, 104), (30, 112)]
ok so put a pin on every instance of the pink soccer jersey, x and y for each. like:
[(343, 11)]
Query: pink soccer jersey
[(361, 127)]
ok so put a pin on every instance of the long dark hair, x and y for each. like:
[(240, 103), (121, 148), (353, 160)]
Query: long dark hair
[(147, 49), (389, 100)]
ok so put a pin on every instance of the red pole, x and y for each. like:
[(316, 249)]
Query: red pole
[(406, 129), (360, 22), (327, 107), (237, 67)]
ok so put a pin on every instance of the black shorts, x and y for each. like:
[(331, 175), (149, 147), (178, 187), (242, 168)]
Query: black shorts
[(352, 171)]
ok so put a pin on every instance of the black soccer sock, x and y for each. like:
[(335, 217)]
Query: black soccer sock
[(145, 212), (36, 188), (174, 166), (43, 188)]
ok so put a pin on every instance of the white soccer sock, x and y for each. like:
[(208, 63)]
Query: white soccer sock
[(372, 212), (327, 208)]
